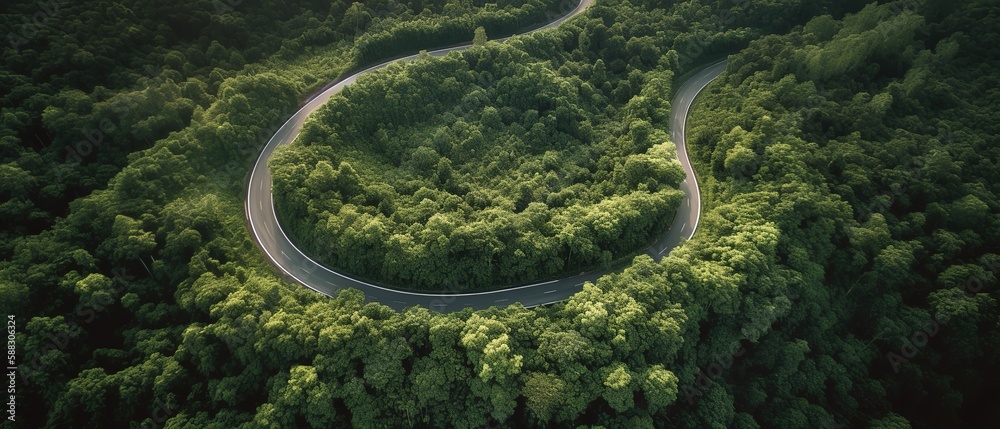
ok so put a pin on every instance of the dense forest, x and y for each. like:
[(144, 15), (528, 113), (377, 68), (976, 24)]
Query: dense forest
[(85, 84), (489, 168), (870, 146), (844, 273)]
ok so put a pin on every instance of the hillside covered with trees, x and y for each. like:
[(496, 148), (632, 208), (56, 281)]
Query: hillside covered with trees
[(485, 168), (844, 273), (85, 84), (871, 145)]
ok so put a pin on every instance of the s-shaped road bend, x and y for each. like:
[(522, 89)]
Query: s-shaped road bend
[(296, 265)]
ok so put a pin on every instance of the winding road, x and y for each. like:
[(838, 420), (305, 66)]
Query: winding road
[(300, 268)]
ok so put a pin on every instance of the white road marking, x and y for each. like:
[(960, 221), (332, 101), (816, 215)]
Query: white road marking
[(553, 290), (579, 284), (283, 253), (501, 300)]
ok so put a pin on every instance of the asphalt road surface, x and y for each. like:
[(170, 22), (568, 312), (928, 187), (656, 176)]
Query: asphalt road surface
[(296, 266)]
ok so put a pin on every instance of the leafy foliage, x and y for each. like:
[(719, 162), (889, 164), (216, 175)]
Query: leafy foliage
[(844, 273), (495, 171)]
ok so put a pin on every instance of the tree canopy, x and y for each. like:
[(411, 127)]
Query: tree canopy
[(844, 273), (482, 169)]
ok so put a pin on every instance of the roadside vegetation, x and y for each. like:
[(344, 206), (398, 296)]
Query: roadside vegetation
[(845, 275), (489, 167), (869, 146)]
